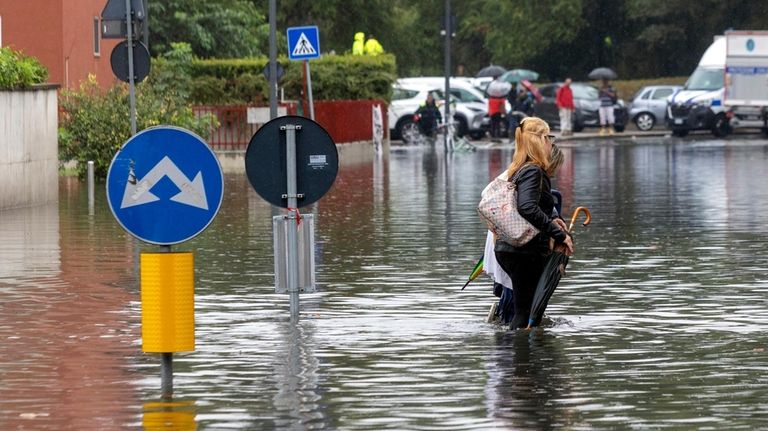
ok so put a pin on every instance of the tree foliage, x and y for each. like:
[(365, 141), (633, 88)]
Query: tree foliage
[(638, 38), (220, 28), (19, 71)]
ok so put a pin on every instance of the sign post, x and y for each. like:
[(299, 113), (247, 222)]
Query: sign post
[(164, 187), (304, 44), (292, 162)]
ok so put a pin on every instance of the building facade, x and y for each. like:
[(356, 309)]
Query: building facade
[(65, 35)]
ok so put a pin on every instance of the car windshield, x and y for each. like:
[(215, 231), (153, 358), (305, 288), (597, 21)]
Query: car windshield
[(705, 79), (584, 92)]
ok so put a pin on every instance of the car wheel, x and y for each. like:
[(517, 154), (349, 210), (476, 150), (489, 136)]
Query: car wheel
[(398, 132), (477, 135), (721, 127), (462, 127), (680, 132), (645, 121), (577, 127)]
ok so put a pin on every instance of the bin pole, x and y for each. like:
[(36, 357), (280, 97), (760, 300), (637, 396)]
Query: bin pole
[(166, 359), (292, 276)]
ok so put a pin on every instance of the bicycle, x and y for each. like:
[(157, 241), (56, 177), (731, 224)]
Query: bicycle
[(455, 142)]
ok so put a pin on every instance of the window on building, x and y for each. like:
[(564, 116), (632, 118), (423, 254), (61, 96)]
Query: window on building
[(96, 36)]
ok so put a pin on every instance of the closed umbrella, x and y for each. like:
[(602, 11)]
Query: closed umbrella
[(490, 71), (476, 271), (516, 75), (554, 269), (602, 73)]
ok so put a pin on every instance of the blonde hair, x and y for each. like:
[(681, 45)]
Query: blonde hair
[(530, 145), (556, 160)]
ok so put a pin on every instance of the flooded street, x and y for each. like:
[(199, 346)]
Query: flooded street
[(660, 322)]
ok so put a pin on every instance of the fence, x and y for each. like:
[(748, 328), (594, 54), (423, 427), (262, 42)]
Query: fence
[(345, 120)]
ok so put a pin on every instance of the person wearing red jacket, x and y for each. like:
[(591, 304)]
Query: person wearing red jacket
[(565, 107)]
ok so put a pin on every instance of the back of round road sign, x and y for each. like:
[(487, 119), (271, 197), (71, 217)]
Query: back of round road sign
[(317, 161)]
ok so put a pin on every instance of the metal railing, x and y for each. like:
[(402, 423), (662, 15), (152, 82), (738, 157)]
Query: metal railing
[(233, 132)]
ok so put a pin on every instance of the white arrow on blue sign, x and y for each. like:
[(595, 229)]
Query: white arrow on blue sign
[(165, 185), (303, 43)]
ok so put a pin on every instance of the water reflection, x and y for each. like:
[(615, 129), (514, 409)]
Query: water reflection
[(658, 323), (530, 382)]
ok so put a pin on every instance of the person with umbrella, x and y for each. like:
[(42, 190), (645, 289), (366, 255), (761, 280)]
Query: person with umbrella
[(607, 97), (497, 92), (529, 170)]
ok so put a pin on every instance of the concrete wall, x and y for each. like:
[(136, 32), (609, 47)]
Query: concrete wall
[(28, 147)]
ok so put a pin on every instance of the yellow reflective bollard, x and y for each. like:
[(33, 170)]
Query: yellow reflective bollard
[(167, 302)]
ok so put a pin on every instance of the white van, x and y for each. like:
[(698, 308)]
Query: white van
[(699, 104)]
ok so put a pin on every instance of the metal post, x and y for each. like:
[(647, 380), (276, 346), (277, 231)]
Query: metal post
[(131, 84), (90, 187), (309, 92), (447, 118), (272, 59), (166, 359), (292, 276)]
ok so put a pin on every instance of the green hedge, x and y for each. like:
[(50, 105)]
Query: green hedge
[(334, 77), (19, 71)]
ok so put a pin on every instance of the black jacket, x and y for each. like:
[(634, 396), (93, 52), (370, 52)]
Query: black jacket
[(535, 203)]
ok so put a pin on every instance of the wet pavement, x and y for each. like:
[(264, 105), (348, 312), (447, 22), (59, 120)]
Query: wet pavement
[(659, 323)]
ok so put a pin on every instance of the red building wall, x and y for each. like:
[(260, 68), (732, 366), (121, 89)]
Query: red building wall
[(60, 34)]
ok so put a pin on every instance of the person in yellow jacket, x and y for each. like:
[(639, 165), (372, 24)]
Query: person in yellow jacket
[(373, 47), (358, 46)]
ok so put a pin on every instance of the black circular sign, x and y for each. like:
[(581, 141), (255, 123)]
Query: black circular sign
[(280, 71), (119, 61), (317, 161)]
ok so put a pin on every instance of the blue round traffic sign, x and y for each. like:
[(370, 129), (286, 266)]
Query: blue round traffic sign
[(165, 186)]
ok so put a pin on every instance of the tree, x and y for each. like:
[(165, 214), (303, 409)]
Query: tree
[(220, 28)]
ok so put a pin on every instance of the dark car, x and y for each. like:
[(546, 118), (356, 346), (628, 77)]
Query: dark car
[(585, 97)]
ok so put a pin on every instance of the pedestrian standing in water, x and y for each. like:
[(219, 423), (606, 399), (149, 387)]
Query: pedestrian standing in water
[(529, 170)]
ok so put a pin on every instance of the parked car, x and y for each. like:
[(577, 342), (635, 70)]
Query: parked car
[(649, 105), (408, 96), (585, 97)]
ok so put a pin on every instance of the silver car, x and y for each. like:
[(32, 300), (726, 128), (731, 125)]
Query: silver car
[(649, 106)]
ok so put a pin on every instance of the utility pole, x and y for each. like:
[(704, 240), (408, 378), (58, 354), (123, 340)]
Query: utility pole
[(447, 71)]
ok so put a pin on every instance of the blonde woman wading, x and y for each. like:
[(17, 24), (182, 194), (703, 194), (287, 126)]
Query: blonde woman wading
[(531, 171)]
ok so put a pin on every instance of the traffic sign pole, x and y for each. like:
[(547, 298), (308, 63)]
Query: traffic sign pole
[(309, 92), (131, 83), (293, 244)]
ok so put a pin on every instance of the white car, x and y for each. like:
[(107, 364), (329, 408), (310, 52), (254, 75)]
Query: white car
[(468, 107)]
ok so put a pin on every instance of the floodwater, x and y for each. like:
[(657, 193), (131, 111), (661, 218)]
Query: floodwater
[(660, 323)]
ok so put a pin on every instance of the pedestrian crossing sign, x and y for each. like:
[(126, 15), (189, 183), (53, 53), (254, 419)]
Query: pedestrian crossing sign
[(303, 43)]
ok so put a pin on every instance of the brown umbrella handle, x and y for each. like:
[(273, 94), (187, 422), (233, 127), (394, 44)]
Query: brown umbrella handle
[(576, 212)]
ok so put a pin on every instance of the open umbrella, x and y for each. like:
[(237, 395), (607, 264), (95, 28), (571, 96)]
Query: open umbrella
[(554, 269), (602, 73), (492, 71), (498, 88), (517, 75), (532, 88)]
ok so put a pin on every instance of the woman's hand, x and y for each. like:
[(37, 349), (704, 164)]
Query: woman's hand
[(568, 244), (561, 224)]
